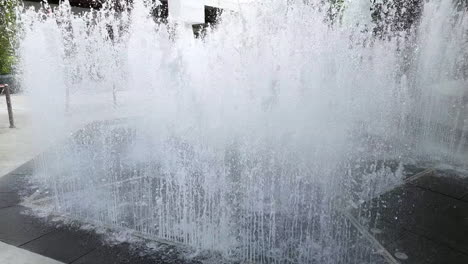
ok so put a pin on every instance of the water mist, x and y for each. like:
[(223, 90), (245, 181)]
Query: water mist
[(250, 140)]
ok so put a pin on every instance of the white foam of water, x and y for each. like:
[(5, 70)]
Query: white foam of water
[(245, 141)]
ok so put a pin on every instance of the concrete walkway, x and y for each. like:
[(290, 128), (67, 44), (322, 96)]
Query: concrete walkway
[(15, 143), (18, 146), (14, 255), (21, 144), (15, 149), (424, 221)]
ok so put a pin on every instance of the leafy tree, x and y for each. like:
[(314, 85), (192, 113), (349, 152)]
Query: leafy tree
[(7, 35)]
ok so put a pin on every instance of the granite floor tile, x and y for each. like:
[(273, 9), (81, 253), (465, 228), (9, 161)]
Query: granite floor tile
[(385, 233), (126, 254), (64, 244), (415, 249), (446, 182), (17, 228), (13, 182), (8, 199), (402, 207), (430, 214), (25, 169), (465, 198)]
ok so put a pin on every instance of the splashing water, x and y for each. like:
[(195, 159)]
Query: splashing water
[(247, 141)]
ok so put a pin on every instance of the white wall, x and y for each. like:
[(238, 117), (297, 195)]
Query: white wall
[(227, 4), (188, 11)]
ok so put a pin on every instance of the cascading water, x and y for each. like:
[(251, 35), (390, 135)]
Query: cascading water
[(247, 141)]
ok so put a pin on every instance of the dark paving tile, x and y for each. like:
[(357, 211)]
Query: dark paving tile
[(450, 227), (401, 206), (465, 198), (13, 182), (363, 252), (18, 185), (64, 244), (126, 254), (357, 248), (13, 188), (439, 217), (16, 228), (445, 182), (25, 169), (385, 233), (416, 249), (409, 206), (119, 254), (8, 199)]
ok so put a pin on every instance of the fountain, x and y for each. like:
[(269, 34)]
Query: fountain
[(250, 141)]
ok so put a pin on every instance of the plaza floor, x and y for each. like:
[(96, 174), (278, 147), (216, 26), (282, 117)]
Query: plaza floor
[(15, 149), (425, 220)]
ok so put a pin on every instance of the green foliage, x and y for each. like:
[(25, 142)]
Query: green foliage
[(7, 35)]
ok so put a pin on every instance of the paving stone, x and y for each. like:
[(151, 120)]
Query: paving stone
[(363, 252), (113, 255), (385, 233), (357, 247), (420, 208), (8, 199), (64, 244), (364, 255), (13, 188), (415, 249), (434, 215), (450, 227), (13, 255), (465, 198), (446, 182), (17, 228), (401, 207), (126, 254), (25, 169), (13, 182)]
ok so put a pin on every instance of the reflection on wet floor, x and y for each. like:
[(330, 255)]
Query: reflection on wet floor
[(423, 221)]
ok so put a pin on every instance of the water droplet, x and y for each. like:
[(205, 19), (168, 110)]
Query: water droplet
[(401, 255)]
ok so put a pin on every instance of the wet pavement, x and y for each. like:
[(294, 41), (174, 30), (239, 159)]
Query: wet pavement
[(424, 220), (67, 243)]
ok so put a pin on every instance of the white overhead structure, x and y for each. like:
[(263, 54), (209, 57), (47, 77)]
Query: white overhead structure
[(234, 5), (193, 11), (187, 11)]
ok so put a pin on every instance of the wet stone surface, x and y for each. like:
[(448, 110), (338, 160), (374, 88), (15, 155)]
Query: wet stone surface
[(445, 182), (17, 228), (423, 221), (416, 249), (66, 243)]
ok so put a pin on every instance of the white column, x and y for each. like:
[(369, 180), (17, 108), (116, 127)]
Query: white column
[(187, 11)]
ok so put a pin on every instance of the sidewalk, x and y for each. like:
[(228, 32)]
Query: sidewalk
[(16, 149), (14, 255), (15, 143), (20, 144)]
